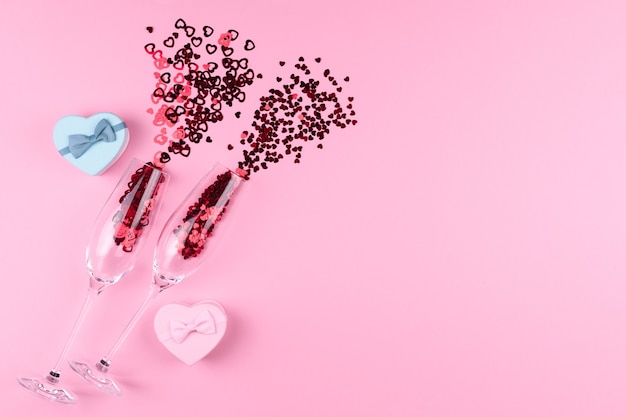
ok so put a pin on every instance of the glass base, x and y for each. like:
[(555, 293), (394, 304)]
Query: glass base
[(48, 389), (96, 377)]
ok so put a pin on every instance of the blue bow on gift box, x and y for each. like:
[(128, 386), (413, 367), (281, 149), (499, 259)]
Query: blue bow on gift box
[(79, 144)]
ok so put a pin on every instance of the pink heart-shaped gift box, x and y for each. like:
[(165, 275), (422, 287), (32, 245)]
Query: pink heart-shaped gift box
[(190, 332)]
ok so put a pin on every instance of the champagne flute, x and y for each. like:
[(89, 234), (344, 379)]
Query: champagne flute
[(181, 249), (115, 241)]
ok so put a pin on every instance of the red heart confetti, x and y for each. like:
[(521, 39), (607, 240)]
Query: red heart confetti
[(290, 116), (198, 79), (303, 107)]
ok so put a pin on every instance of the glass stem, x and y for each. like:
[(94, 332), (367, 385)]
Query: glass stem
[(154, 291), (55, 373)]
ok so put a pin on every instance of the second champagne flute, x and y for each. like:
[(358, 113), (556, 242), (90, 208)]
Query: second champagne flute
[(181, 250)]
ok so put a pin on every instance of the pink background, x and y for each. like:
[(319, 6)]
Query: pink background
[(459, 252)]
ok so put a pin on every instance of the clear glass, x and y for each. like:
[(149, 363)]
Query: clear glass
[(115, 241), (181, 250)]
